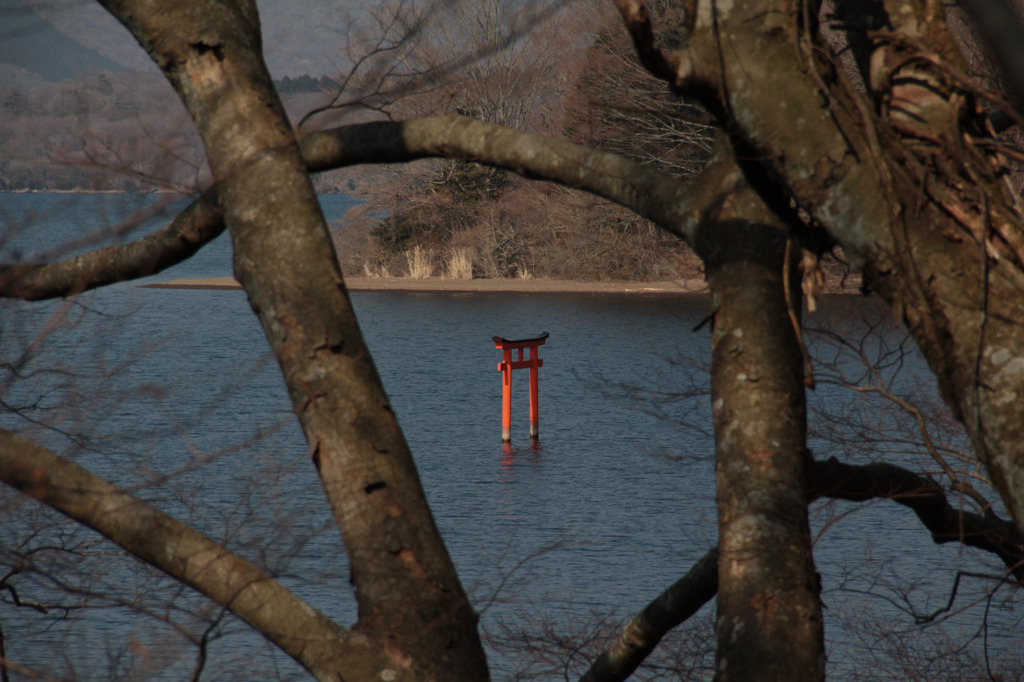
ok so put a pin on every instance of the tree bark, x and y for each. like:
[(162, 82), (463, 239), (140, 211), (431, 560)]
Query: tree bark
[(769, 624), (907, 182), (673, 606), (830, 479), (926, 498), (411, 604), (651, 194), (193, 228), (312, 639)]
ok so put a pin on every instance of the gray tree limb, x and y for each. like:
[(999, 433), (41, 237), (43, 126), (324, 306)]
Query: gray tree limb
[(411, 603), (664, 200), (197, 225), (670, 608), (927, 499), (312, 639), (902, 178), (830, 479)]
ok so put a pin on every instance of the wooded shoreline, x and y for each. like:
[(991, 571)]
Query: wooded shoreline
[(471, 285), (677, 286)]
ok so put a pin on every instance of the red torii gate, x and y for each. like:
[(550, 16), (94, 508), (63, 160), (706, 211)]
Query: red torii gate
[(533, 362)]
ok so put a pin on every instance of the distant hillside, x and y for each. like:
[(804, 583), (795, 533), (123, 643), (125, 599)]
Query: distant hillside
[(116, 131), (83, 107), (29, 42), (299, 36)]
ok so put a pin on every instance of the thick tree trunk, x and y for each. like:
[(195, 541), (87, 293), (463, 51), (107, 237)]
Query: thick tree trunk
[(411, 603), (769, 622), (907, 181), (915, 198)]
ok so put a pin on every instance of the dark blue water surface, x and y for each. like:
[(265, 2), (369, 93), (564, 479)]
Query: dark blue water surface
[(173, 393)]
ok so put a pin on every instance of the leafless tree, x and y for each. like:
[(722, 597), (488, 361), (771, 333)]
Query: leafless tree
[(901, 168), (566, 71)]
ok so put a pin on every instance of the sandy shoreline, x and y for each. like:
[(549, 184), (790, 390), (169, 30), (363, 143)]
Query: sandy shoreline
[(681, 286), (675, 286)]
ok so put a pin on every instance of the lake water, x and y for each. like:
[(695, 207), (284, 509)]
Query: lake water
[(173, 392)]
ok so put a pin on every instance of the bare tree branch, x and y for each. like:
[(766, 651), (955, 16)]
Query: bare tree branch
[(194, 227), (652, 194), (833, 479), (668, 202), (927, 499), (395, 67), (673, 606), (188, 556)]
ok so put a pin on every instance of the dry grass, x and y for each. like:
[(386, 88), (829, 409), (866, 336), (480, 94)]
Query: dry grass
[(372, 271), (460, 265), (420, 262)]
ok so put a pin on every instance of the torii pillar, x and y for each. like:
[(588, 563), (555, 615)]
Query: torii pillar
[(533, 362)]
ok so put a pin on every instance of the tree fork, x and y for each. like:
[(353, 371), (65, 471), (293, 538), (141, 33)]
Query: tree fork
[(834, 480)]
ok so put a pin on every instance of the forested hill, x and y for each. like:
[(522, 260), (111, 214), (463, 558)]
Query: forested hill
[(82, 105), (121, 130), (32, 46), (46, 41)]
